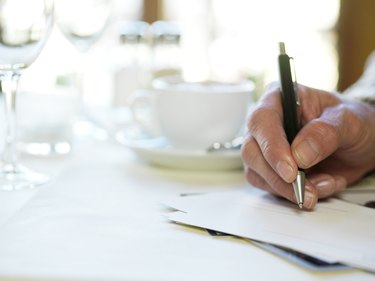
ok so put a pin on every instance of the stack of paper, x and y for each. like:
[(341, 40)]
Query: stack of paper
[(335, 230)]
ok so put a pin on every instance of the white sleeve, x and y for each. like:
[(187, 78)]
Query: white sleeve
[(364, 88)]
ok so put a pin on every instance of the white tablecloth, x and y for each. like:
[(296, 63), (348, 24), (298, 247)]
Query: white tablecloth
[(100, 218)]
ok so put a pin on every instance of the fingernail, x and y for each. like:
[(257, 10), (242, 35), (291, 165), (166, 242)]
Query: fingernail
[(310, 199), (325, 187), (285, 171), (306, 152), (340, 184)]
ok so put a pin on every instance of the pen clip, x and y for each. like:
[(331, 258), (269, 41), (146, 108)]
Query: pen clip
[(294, 78)]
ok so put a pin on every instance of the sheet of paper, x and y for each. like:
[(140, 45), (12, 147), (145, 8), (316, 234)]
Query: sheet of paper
[(335, 230), (299, 258)]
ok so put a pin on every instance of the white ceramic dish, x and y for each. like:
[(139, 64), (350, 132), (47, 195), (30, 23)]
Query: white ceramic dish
[(156, 151)]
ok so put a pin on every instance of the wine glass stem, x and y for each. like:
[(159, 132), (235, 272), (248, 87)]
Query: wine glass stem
[(81, 77), (9, 84)]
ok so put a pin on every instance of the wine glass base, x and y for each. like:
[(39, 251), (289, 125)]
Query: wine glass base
[(18, 177)]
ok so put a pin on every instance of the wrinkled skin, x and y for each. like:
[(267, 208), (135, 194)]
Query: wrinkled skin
[(335, 146)]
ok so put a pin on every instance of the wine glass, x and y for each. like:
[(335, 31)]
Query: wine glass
[(82, 22), (24, 29)]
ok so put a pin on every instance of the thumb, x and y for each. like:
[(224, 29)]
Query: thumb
[(322, 136)]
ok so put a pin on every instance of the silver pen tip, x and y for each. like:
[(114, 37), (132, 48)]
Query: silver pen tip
[(299, 188), (300, 205), (282, 48)]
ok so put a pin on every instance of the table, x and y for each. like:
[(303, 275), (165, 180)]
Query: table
[(101, 218)]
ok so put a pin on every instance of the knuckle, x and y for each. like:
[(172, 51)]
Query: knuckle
[(255, 116), (259, 117), (326, 130), (326, 135), (275, 182), (272, 87), (267, 147), (249, 151), (347, 116), (339, 122), (254, 179)]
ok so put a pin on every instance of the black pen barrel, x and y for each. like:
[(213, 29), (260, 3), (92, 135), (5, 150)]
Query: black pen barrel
[(288, 98)]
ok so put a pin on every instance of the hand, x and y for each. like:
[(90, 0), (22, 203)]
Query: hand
[(335, 146)]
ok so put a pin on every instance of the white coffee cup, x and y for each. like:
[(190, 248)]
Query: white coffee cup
[(192, 115)]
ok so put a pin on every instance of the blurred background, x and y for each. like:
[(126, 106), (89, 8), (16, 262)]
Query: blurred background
[(211, 39)]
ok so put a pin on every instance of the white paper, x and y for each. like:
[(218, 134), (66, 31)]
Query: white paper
[(335, 230)]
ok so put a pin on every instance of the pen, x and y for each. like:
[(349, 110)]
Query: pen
[(290, 101)]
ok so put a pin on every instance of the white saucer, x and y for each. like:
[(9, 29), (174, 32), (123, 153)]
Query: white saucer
[(156, 151)]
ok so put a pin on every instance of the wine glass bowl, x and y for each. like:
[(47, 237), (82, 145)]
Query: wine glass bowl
[(82, 21), (24, 28)]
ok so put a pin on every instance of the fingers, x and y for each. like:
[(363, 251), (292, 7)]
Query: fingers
[(266, 128), (327, 185), (270, 181), (260, 174)]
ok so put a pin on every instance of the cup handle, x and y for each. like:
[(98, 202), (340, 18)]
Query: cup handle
[(143, 113)]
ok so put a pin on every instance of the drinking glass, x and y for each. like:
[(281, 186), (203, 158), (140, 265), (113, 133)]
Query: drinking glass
[(24, 29), (82, 22)]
